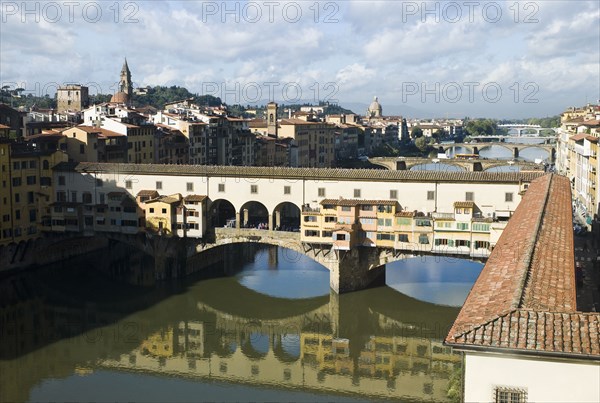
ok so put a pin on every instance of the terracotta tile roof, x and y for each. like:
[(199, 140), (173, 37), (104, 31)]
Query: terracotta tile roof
[(573, 333), (194, 198), (358, 202), (163, 199), (464, 204), (151, 193), (366, 175), (578, 137), (405, 214), (524, 299)]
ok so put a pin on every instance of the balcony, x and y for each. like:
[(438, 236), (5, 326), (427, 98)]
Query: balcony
[(443, 216)]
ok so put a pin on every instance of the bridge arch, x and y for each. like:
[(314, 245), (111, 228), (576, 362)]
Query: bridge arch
[(282, 344), (221, 211), (255, 344), (286, 216), (254, 214)]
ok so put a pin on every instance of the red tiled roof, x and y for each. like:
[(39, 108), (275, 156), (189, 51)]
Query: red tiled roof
[(151, 193), (524, 299), (357, 202), (194, 198), (464, 204)]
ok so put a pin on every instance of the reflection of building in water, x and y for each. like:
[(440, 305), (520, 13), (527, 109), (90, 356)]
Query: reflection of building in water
[(237, 350), (159, 344)]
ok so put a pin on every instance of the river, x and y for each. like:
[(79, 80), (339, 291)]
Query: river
[(267, 331)]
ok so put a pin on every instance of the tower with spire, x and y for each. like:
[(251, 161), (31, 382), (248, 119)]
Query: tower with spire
[(125, 84)]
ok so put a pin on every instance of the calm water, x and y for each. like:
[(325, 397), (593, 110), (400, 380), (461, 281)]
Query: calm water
[(270, 331)]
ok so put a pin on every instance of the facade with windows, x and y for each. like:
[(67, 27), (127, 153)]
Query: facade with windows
[(26, 188), (347, 223)]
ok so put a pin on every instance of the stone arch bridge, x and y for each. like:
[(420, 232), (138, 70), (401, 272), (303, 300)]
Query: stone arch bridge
[(406, 163)]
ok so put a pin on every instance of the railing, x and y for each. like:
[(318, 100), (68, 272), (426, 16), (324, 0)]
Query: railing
[(253, 232), (442, 215), (308, 209)]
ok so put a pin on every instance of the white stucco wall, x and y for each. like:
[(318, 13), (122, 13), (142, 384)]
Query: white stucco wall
[(545, 380)]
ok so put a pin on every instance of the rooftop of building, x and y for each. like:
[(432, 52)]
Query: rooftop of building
[(525, 298), (304, 173), (357, 202)]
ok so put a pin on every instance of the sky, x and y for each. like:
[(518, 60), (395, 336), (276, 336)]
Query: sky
[(498, 59)]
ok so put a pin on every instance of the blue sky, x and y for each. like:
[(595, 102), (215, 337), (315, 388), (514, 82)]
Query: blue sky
[(421, 58)]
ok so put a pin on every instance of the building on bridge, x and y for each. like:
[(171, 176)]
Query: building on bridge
[(349, 223), (437, 212)]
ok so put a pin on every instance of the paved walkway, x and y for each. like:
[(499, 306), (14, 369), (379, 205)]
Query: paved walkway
[(587, 252)]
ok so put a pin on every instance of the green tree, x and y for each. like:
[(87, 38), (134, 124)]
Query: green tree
[(416, 132), (422, 144)]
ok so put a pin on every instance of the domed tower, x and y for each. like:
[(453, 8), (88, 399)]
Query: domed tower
[(374, 110)]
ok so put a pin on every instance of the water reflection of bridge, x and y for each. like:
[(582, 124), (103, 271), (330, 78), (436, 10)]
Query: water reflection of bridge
[(376, 342)]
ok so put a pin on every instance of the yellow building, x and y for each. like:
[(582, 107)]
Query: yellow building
[(26, 183), (348, 223), (161, 214)]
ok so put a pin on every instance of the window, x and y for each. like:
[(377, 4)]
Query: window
[(356, 192), (385, 237), (45, 164), (366, 207), (61, 180), (17, 214), (404, 221), (32, 164), (152, 209), (509, 395), (508, 197), (423, 239), (321, 192), (330, 218), (16, 182), (311, 218), (287, 190), (430, 195), (393, 194), (99, 183), (482, 245), (158, 185), (311, 233), (458, 211), (346, 208), (31, 180), (327, 234), (221, 187), (189, 187), (81, 148), (469, 196), (74, 196), (32, 215), (87, 197), (17, 197), (341, 237), (164, 211), (462, 226), (481, 227), (30, 197), (254, 189), (402, 237), (127, 184)]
